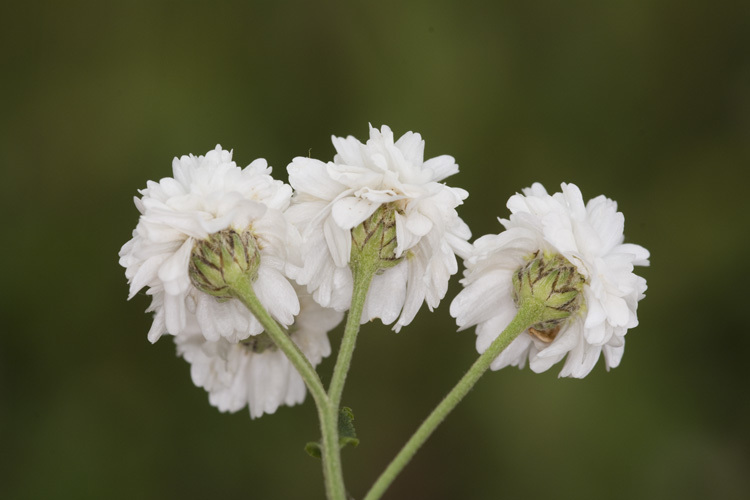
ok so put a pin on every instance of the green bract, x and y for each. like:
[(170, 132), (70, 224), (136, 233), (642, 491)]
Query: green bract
[(220, 262), (374, 241), (551, 279)]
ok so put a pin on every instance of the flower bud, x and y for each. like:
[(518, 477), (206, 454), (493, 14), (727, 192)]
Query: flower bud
[(553, 280), (220, 261), (374, 240)]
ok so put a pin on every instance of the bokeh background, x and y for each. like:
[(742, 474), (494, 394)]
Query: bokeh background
[(647, 102)]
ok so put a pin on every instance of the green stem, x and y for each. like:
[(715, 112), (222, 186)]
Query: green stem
[(331, 449), (362, 280), (327, 413), (244, 292), (527, 315)]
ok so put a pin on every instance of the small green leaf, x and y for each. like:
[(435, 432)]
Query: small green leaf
[(347, 434), (313, 449)]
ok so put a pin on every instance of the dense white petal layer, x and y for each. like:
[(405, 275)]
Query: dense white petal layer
[(331, 199), (591, 237), (208, 194)]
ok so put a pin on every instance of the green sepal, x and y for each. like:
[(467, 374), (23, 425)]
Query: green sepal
[(347, 434)]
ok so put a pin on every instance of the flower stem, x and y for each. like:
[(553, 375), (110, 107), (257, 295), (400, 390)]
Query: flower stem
[(247, 296), (331, 449), (527, 315), (362, 280), (327, 413)]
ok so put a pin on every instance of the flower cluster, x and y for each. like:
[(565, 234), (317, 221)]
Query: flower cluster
[(207, 195), (211, 206), (299, 247), (587, 236)]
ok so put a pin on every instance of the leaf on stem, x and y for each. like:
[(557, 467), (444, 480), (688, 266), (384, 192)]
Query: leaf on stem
[(347, 433)]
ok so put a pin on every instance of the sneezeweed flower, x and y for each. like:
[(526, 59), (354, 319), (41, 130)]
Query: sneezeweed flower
[(254, 372), (382, 189), (211, 197), (579, 249)]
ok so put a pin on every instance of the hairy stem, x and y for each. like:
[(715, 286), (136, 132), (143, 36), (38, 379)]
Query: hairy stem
[(327, 413), (527, 315), (362, 279), (331, 448)]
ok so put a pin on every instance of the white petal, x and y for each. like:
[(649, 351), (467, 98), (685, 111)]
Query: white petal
[(539, 364), (640, 254), (386, 295), (354, 176), (146, 273), (441, 166), (174, 272), (311, 177), (415, 291), (412, 147), (339, 242), (596, 334), (482, 299), (618, 313), (613, 355), (351, 211), (174, 313), (595, 313), (348, 150), (491, 329), (418, 224), (276, 293), (205, 317), (158, 327)]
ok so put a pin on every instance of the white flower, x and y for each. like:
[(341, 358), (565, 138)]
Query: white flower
[(208, 194), (333, 198), (254, 372), (590, 237)]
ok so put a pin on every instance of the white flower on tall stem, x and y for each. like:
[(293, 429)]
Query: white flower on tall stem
[(253, 372), (209, 194), (590, 237), (333, 198)]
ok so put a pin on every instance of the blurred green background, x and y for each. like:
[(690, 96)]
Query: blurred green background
[(647, 102)]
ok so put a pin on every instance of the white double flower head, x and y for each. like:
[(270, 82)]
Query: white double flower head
[(331, 199), (587, 236), (173, 255)]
